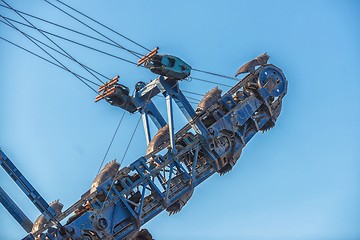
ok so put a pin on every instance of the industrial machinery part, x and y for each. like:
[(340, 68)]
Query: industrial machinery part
[(165, 65), (41, 221), (250, 66), (116, 94), (122, 200), (15, 211)]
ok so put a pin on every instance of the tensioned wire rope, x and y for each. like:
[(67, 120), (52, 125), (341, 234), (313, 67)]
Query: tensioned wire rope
[(51, 41), (104, 26), (72, 41), (122, 160), (53, 49), (91, 28), (47, 60), (113, 137), (72, 30), (62, 65)]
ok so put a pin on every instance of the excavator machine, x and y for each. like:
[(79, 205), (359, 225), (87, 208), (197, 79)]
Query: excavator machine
[(122, 199)]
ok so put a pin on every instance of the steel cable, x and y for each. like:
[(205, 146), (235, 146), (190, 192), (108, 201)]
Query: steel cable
[(37, 40), (194, 99), (67, 69), (69, 29), (111, 142), (72, 41), (133, 53), (114, 135), (197, 94), (51, 41), (208, 81), (104, 26), (47, 60), (216, 74), (126, 150)]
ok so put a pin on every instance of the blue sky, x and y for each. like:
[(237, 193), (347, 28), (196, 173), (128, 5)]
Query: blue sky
[(300, 181)]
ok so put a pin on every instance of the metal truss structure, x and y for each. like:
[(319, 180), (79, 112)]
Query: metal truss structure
[(121, 201)]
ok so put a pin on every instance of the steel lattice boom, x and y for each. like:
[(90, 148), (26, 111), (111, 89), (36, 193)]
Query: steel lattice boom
[(120, 201)]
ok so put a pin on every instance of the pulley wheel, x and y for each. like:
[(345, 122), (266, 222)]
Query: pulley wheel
[(276, 78)]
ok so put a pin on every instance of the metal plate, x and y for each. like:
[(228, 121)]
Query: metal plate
[(274, 80)]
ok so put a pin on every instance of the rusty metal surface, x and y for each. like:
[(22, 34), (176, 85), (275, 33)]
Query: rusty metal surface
[(209, 99), (108, 171), (249, 67), (160, 137), (41, 220)]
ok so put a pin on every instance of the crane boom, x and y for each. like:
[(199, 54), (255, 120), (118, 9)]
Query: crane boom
[(122, 200)]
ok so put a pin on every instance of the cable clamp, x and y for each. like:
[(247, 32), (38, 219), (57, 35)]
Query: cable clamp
[(107, 89)]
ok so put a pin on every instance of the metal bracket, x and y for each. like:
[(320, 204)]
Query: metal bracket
[(107, 89), (145, 59)]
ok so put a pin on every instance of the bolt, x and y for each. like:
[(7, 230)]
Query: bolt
[(102, 222)]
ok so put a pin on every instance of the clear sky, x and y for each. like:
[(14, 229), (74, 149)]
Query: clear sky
[(300, 181)]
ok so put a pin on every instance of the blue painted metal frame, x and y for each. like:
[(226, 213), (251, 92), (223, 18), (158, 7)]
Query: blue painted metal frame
[(165, 179), (169, 88), (15, 211), (156, 182), (28, 189)]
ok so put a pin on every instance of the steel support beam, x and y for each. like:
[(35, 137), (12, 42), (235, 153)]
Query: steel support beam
[(15, 211), (28, 189), (170, 116)]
